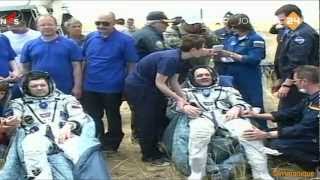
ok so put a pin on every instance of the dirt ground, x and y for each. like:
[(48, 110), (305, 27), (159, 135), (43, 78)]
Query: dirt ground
[(127, 164)]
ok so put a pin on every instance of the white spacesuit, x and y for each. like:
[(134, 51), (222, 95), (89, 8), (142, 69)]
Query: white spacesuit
[(42, 119), (214, 101)]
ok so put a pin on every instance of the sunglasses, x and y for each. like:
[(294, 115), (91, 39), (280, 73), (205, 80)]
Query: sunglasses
[(103, 23)]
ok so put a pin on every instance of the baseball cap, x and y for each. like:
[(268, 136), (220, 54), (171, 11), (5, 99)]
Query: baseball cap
[(228, 15), (158, 16)]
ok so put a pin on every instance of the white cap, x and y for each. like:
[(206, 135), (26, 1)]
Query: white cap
[(192, 19)]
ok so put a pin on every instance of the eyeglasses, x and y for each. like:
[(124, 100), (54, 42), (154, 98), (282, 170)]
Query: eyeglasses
[(103, 23)]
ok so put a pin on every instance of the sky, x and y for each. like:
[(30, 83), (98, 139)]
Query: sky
[(261, 13)]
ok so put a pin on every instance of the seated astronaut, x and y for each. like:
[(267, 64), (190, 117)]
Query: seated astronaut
[(216, 106), (50, 120)]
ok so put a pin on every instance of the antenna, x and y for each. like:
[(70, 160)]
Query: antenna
[(28, 3)]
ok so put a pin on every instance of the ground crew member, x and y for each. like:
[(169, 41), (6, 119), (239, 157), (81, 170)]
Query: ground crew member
[(241, 59), (300, 46)]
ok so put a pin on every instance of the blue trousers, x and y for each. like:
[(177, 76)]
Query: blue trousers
[(149, 106)]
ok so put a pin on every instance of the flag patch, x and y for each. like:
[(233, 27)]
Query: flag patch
[(259, 44), (299, 40)]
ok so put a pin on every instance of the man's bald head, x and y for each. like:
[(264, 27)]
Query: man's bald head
[(109, 15), (47, 25), (105, 23), (46, 17)]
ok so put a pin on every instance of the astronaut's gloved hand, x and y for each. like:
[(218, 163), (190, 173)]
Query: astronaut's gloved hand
[(233, 113), (65, 132)]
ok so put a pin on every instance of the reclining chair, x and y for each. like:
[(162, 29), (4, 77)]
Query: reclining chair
[(91, 164), (226, 157)]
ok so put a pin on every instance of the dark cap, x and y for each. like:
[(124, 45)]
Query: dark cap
[(228, 14), (157, 16)]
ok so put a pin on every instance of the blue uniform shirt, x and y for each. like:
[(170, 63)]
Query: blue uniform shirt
[(246, 73), (252, 47), (79, 42), (223, 34), (300, 140), (7, 54), (307, 112), (299, 47), (106, 60), (55, 57), (166, 62)]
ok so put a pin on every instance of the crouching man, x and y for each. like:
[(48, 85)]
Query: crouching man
[(216, 105), (299, 142), (51, 122)]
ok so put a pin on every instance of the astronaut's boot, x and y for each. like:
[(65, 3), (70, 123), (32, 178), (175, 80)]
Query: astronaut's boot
[(37, 173), (257, 160)]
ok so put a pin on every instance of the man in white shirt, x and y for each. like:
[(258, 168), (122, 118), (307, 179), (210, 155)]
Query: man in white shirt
[(18, 35), (120, 26)]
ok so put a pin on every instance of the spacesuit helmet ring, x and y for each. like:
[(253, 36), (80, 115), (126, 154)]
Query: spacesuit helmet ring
[(191, 76), (36, 75)]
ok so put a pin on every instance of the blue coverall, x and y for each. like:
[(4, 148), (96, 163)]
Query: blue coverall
[(246, 73), (300, 142), (299, 47)]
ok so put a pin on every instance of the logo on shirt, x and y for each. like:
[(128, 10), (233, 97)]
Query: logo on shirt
[(233, 43), (159, 45), (243, 44), (299, 40), (45, 115), (9, 19)]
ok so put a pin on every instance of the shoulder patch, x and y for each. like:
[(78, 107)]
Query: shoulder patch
[(243, 44), (75, 107), (259, 44), (315, 107), (299, 40), (45, 115), (159, 45)]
